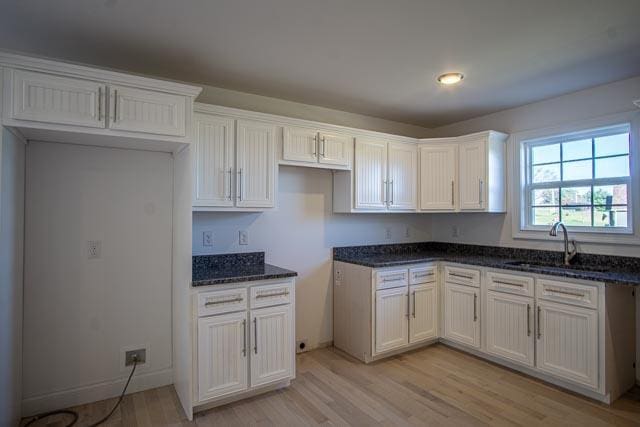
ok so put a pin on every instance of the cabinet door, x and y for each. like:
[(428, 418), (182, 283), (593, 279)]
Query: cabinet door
[(461, 314), (255, 160), (213, 153), (423, 322), (300, 145), (473, 159), (371, 175), (403, 176), (272, 346), (567, 344), (510, 327), (335, 149), (391, 319), (222, 355), (60, 100), (438, 171), (147, 111)]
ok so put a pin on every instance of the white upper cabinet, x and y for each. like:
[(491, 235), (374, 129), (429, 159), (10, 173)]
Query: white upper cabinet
[(255, 164), (438, 177), (371, 174), (335, 149), (311, 147), (47, 98), (402, 176), (138, 110), (213, 154), (472, 175), (300, 145)]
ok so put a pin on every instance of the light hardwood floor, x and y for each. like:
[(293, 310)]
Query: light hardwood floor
[(436, 385)]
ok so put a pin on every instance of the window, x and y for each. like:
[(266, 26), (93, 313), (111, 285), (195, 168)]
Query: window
[(582, 179)]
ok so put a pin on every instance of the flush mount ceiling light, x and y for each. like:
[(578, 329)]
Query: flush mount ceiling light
[(450, 78)]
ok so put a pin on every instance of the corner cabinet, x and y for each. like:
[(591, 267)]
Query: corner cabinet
[(464, 174), (233, 163)]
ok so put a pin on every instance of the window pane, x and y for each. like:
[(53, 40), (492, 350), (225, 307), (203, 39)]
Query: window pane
[(612, 167), (546, 173), (545, 154), (576, 196), (576, 170), (610, 217), (611, 145), (546, 197), (607, 195), (577, 217), (576, 150), (544, 216)]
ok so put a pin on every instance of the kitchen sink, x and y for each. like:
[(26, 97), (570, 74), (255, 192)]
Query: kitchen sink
[(534, 264)]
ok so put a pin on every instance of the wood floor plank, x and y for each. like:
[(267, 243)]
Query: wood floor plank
[(434, 386)]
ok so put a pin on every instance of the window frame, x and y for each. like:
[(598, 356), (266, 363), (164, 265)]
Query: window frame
[(520, 195)]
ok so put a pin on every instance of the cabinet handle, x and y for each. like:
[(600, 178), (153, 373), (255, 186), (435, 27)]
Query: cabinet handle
[(224, 301), (100, 104), (393, 278), (115, 105), (464, 276), (539, 331), (386, 192), (560, 291), (420, 275), (230, 175), (528, 320), (408, 304), (279, 294), (324, 141), (452, 195), (480, 185), (500, 282), (414, 304), (315, 145), (255, 335), (244, 337), (475, 307), (240, 184), (392, 191)]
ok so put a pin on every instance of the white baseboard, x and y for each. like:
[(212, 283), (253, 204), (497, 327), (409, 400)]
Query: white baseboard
[(94, 392)]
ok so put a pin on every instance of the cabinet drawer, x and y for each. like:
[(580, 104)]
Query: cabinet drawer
[(568, 293), (510, 283), (462, 276), (388, 279), (217, 302), (419, 275), (268, 295)]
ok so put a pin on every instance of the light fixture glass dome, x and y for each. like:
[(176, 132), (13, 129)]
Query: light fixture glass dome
[(450, 78)]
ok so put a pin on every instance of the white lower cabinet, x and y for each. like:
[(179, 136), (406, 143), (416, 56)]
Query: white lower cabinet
[(271, 344), (567, 342), (509, 323), (245, 339), (423, 320), (461, 314), (392, 328)]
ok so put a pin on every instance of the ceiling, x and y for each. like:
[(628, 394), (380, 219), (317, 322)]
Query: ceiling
[(374, 57)]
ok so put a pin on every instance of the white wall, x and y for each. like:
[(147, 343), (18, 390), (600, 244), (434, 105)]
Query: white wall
[(495, 229), (300, 236), (79, 313), (12, 155)]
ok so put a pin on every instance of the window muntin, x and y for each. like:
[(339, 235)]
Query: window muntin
[(581, 179)]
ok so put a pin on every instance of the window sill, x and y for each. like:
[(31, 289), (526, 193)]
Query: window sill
[(595, 237)]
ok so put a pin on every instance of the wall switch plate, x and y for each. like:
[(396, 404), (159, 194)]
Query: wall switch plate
[(243, 237), (387, 232), (207, 238), (142, 351), (94, 249), (139, 354)]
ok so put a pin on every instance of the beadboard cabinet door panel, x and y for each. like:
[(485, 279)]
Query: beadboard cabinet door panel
[(510, 327), (300, 144), (255, 164), (272, 346), (438, 176), (473, 175), (213, 148), (423, 321), (391, 326), (403, 176), (461, 314), (139, 110), (54, 99), (335, 149), (371, 175)]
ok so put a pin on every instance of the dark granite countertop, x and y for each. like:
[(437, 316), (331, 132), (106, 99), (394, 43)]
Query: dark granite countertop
[(234, 268), (601, 268)]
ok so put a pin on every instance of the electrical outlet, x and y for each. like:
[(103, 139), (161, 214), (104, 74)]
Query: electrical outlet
[(94, 249), (455, 231), (140, 355), (387, 232), (301, 345), (207, 238), (243, 237)]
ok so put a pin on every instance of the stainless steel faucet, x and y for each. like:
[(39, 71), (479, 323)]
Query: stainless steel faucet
[(568, 255)]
